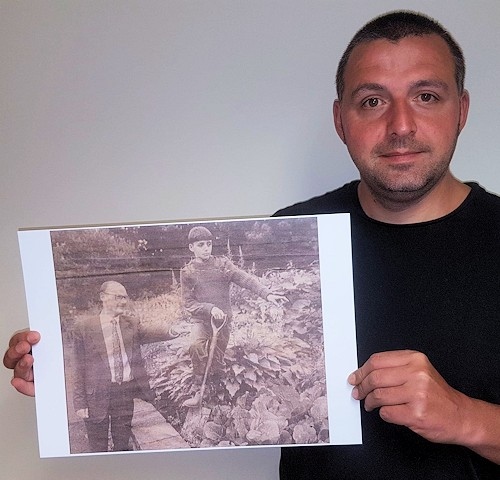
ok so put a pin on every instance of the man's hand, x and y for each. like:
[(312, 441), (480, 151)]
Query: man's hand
[(409, 391), (18, 357)]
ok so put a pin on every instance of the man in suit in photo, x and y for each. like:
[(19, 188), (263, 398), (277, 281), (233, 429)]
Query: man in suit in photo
[(109, 369)]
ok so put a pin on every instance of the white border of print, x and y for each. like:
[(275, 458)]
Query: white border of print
[(338, 323)]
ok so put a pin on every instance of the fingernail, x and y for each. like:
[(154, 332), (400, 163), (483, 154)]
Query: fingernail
[(355, 393), (351, 379)]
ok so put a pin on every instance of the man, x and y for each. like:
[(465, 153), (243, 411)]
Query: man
[(109, 369), (206, 282), (426, 263)]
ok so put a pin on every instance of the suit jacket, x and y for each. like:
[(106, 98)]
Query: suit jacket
[(92, 371)]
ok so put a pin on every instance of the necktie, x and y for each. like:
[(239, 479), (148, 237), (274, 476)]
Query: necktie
[(117, 353)]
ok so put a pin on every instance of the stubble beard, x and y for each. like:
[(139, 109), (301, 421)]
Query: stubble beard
[(398, 186)]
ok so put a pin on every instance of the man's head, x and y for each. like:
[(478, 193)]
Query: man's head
[(200, 242), (400, 108), (114, 298), (393, 27)]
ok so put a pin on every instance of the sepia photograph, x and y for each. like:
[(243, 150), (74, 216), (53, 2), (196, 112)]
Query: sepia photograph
[(197, 335)]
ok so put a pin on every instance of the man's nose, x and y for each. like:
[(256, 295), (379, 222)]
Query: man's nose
[(401, 119)]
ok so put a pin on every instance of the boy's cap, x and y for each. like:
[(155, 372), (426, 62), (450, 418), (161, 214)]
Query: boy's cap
[(198, 233)]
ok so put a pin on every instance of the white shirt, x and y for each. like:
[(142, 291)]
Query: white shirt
[(107, 330)]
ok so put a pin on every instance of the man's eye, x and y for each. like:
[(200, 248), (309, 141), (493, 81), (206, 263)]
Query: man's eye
[(371, 103), (427, 97)]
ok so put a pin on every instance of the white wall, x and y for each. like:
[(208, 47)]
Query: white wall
[(123, 111)]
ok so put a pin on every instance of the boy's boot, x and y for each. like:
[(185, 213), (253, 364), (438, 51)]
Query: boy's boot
[(196, 399)]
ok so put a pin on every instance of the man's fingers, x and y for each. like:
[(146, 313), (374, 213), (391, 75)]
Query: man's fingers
[(380, 361), (386, 396), (30, 336), (382, 370), (23, 375), (379, 380), (33, 337), (24, 368), (356, 377), (14, 354), (397, 414), (24, 387), (19, 345)]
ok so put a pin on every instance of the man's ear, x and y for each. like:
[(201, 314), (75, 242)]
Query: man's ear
[(464, 109), (191, 247), (337, 120)]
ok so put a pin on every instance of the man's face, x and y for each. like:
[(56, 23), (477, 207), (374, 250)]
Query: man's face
[(114, 300), (201, 249), (401, 114)]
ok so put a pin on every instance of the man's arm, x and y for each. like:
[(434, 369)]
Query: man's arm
[(152, 331), (409, 391), (18, 358)]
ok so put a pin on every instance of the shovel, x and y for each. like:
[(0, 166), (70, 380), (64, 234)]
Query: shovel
[(211, 352)]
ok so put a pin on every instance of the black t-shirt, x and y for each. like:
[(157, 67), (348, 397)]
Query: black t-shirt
[(433, 287)]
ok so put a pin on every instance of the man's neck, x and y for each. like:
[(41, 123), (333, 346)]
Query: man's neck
[(441, 200), (107, 313)]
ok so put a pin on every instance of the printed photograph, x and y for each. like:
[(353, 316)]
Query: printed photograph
[(192, 335)]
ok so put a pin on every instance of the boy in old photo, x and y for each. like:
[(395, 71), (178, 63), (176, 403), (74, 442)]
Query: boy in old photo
[(205, 284)]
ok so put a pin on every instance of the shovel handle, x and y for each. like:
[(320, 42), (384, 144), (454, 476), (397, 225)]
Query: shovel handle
[(216, 329)]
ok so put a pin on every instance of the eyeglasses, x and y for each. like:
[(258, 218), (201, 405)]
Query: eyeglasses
[(117, 297)]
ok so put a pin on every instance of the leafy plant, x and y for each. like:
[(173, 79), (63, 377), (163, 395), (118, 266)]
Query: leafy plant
[(273, 390)]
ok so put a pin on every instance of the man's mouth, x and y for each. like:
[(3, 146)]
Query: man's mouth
[(400, 153), (401, 156)]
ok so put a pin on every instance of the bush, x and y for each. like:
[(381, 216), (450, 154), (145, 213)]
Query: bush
[(274, 389)]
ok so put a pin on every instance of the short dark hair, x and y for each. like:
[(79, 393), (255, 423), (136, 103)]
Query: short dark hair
[(394, 26)]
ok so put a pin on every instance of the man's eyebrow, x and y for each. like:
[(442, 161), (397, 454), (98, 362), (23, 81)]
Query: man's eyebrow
[(430, 83), (367, 87)]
